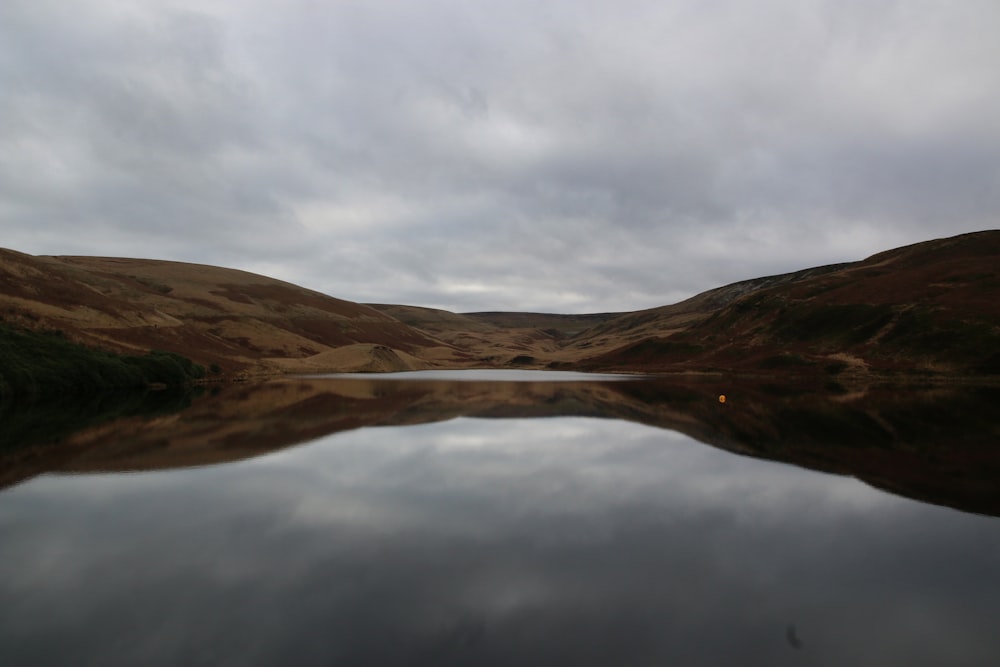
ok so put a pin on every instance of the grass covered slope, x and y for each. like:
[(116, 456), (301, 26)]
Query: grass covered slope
[(44, 364), (237, 320), (931, 307)]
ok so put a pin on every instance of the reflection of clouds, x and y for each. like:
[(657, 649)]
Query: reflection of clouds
[(517, 436), (506, 469), (574, 464), (502, 541)]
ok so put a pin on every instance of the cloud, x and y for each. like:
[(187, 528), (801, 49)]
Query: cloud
[(569, 157)]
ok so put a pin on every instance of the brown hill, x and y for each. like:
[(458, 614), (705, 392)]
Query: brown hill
[(492, 339), (931, 307), (556, 325), (537, 326), (926, 308), (237, 320), (666, 320)]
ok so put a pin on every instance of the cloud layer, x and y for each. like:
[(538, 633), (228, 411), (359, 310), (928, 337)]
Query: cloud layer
[(571, 157)]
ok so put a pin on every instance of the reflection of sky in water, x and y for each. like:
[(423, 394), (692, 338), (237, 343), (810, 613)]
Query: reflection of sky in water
[(571, 541)]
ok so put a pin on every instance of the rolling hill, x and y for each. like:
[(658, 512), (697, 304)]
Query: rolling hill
[(927, 309), (931, 307), (238, 321)]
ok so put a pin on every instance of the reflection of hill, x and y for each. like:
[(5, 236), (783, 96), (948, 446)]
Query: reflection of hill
[(27, 431), (937, 445)]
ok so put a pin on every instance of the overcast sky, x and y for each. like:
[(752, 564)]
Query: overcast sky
[(566, 156)]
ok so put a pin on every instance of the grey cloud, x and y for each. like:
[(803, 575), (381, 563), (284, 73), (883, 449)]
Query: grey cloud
[(572, 156)]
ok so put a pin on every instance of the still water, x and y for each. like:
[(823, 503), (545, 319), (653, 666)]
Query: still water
[(432, 522)]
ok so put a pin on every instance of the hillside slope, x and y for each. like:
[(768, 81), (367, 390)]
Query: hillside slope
[(492, 339), (665, 320), (931, 307), (236, 320)]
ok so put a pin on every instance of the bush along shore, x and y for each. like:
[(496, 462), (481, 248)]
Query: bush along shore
[(44, 364)]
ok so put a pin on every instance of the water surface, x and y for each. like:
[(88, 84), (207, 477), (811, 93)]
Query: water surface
[(487, 375), (414, 522)]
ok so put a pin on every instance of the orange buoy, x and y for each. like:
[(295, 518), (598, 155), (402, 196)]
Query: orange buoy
[(722, 398)]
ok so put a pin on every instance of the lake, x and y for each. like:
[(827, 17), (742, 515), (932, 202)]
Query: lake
[(508, 520)]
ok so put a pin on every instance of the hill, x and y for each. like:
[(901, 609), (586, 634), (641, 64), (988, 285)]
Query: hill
[(927, 309), (237, 321), (555, 325), (497, 338)]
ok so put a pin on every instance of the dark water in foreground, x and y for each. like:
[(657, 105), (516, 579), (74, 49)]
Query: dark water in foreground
[(460, 531)]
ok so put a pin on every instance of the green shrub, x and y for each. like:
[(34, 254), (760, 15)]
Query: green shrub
[(37, 364)]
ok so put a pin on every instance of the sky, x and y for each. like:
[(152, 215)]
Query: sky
[(559, 156)]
